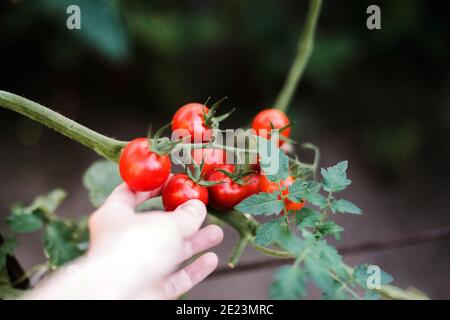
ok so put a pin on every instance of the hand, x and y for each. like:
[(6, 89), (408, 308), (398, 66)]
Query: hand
[(135, 255)]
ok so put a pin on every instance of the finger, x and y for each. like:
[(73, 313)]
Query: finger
[(124, 195), (189, 216), (185, 279), (206, 238)]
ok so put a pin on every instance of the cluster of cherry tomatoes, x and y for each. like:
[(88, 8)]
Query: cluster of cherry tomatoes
[(144, 166)]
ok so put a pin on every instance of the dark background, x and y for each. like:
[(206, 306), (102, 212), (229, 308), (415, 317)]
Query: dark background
[(379, 99)]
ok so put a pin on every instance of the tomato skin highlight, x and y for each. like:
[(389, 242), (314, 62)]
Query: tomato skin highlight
[(190, 118), (179, 189), (212, 158), (265, 185), (142, 169), (279, 120), (225, 196)]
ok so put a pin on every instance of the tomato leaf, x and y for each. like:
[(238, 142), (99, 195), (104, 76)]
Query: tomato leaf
[(332, 228), (9, 245), (289, 241), (267, 233), (307, 190), (289, 283), (307, 218), (33, 217), (335, 178), (371, 295), (100, 179), (48, 203), (23, 221), (59, 244), (344, 206), (262, 203)]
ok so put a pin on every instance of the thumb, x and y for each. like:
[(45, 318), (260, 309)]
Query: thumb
[(189, 217)]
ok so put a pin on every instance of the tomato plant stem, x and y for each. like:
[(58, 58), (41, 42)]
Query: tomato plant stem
[(103, 145), (273, 252), (304, 50), (238, 249)]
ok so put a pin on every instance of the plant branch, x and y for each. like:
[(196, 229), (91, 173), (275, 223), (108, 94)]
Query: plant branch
[(104, 146), (304, 50), (110, 148)]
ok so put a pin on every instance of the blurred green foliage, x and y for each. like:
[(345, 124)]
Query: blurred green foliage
[(386, 89)]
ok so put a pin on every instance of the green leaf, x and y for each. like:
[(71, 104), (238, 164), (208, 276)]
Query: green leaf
[(371, 295), (319, 274), (32, 217), (48, 203), (365, 274), (267, 233), (332, 260), (336, 291), (309, 191), (262, 203), (59, 244), (335, 178), (100, 179), (289, 283), (321, 262), (332, 228), (344, 206), (289, 241), (307, 218), (9, 245), (23, 221)]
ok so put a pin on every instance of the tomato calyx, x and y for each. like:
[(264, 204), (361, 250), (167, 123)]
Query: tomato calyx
[(211, 121), (240, 175), (161, 145), (280, 130), (196, 174)]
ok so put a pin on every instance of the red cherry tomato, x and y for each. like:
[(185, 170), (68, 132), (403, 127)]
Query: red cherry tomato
[(278, 119), (179, 189), (142, 169), (224, 196), (265, 185), (212, 158), (191, 119)]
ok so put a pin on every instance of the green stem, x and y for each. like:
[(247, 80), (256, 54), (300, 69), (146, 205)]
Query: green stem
[(344, 285), (304, 50), (394, 293), (238, 249), (104, 146), (315, 164), (244, 225), (273, 252)]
